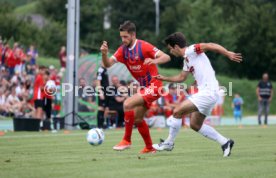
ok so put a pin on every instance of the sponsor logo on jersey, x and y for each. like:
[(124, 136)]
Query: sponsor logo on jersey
[(135, 68)]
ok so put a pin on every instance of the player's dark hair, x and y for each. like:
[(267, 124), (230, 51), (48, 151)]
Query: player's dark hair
[(47, 72), (127, 26), (42, 67), (176, 38)]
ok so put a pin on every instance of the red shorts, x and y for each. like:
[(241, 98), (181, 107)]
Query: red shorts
[(152, 92)]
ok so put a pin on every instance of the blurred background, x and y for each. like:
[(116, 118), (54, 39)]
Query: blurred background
[(247, 26)]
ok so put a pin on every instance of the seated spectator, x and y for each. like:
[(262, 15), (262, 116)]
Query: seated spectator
[(14, 102), (86, 95), (27, 110), (171, 100), (115, 102), (4, 108)]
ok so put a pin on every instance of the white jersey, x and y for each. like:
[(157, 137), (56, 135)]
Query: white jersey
[(196, 62)]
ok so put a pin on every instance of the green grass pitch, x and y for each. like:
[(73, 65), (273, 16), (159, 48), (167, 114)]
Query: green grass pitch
[(44, 154)]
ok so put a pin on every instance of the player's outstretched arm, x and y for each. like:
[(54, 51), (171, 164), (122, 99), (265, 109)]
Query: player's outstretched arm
[(108, 62), (237, 57), (161, 58), (176, 79)]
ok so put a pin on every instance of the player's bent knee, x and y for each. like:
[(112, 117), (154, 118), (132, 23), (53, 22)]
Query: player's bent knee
[(195, 127), (138, 121)]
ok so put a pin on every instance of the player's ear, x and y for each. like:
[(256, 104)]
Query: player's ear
[(176, 47), (133, 34)]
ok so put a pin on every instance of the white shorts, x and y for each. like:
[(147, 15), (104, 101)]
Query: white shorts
[(205, 101)]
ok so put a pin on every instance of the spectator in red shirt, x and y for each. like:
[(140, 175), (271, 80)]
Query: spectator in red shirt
[(1, 51), (9, 59), (39, 93), (20, 58), (62, 57)]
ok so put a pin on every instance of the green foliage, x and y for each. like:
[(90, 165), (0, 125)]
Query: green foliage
[(53, 9), (256, 32), (47, 40), (52, 39), (246, 26), (17, 3), (27, 9), (6, 7), (9, 28), (47, 61)]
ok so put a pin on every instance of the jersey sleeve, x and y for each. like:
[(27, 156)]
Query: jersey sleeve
[(118, 55), (149, 50), (194, 49)]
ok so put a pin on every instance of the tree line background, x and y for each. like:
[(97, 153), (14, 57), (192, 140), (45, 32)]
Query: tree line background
[(246, 26)]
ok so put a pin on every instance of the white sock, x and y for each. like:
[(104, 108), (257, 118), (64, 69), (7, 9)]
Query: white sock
[(175, 125), (212, 134)]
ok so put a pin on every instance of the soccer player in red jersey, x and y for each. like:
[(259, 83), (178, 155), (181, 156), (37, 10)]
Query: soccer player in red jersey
[(140, 57)]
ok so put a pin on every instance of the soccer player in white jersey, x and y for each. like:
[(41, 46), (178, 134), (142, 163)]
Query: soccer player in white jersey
[(200, 104)]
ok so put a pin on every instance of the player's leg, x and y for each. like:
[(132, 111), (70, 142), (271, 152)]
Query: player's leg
[(39, 109), (129, 105), (236, 117), (143, 129), (197, 125), (47, 109), (266, 110), (175, 124), (260, 111), (100, 116), (240, 119), (102, 106)]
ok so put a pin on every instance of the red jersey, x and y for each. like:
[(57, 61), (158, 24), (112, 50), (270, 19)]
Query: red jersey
[(38, 84), (171, 98), (134, 58), (10, 59), (19, 56)]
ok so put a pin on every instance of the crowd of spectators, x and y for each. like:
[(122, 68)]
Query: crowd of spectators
[(19, 69)]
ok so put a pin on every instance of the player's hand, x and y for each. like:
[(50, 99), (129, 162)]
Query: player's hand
[(259, 98), (159, 77), (236, 57), (104, 48), (102, 97), (149, 61)]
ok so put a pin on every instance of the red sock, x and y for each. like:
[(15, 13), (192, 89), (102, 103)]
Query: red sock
[(129, 121), (144, 132)]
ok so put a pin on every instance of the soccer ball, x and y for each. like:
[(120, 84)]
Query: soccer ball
[(95, 136), (50, 88), (51, 84)]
